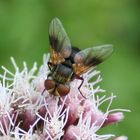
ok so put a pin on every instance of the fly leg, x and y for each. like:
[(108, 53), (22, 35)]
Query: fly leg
[(82, 81), (50, 66), (43, 91)]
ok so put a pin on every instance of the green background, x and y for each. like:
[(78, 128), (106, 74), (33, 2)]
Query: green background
[(24, 35)]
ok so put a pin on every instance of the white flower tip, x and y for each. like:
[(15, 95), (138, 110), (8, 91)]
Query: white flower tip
[(121, 138), (116, 117), (119, 115)]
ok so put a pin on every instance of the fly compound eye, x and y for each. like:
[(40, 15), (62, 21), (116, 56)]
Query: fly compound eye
[(63, 89), (49, 85)]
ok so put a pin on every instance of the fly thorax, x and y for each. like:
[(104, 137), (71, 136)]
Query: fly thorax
[(62, 74)]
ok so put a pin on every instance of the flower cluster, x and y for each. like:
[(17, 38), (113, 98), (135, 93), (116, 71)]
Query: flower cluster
[(26, 113)]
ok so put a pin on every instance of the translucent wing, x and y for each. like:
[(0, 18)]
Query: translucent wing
[(59, 42), (89, 57)]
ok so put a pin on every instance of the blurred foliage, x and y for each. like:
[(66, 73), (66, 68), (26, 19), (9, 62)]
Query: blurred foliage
[(24, 35)]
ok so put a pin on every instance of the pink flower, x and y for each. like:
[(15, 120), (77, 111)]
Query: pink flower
[(27, 114)]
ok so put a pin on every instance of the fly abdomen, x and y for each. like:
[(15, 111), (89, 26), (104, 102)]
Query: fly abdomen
[(62, 74)]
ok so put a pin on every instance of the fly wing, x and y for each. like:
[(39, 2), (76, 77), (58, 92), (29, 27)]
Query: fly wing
[(89, 57), (60, 45)]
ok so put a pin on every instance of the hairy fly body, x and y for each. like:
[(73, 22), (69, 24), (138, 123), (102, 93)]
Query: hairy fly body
[(68, 63)]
